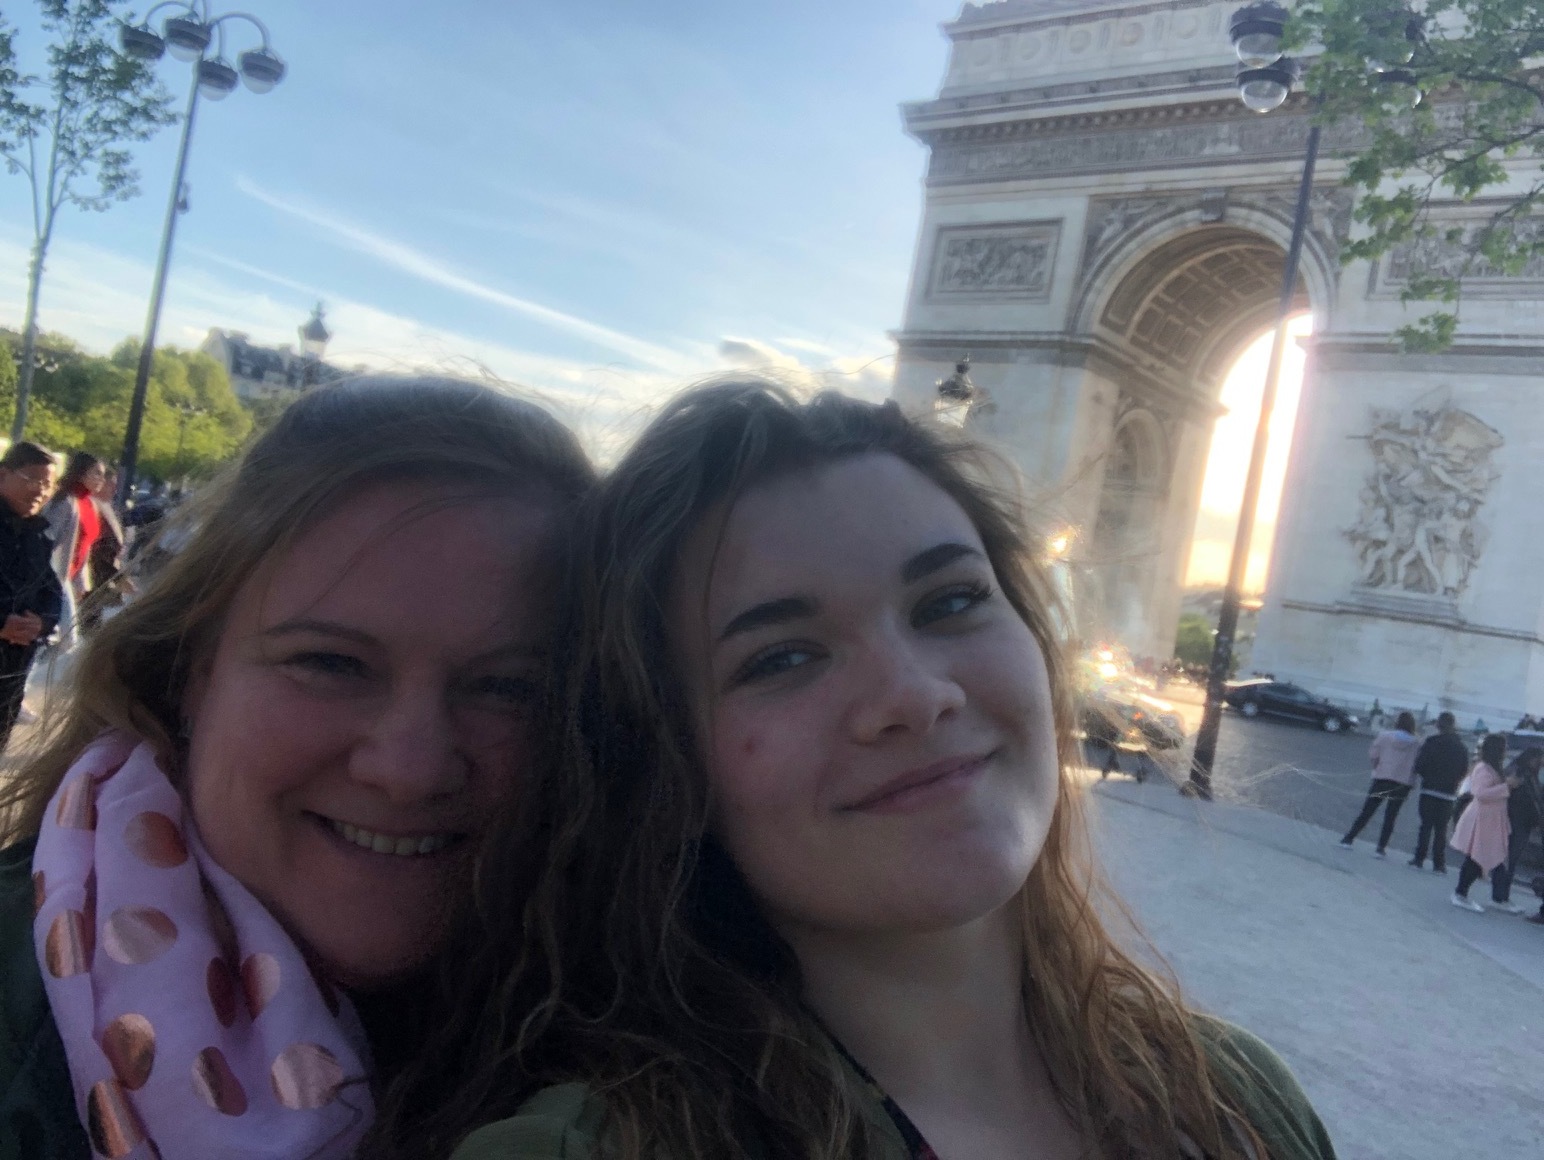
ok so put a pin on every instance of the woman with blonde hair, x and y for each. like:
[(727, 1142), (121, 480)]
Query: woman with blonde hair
[(812, 878), (248, 829)]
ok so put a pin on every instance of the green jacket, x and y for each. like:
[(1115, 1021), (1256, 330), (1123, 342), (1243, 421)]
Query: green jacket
[(38, 1120), (565, 1122)]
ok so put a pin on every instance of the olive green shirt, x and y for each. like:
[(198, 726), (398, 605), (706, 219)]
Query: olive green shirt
[(565, 1122)]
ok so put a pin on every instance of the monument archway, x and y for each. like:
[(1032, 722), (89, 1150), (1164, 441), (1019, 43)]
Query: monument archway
[(1103, 232)]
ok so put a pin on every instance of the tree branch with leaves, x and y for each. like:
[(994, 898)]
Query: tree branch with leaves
[(1476, 138), (68, 129)]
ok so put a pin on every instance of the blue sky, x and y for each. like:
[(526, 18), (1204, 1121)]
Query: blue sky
[(598, 200)]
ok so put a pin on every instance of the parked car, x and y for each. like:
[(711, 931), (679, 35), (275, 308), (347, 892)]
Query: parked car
[(1262, 695)]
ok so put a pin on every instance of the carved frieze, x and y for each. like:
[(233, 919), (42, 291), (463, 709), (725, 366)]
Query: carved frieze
[(1009, 260), (1439, 258), (1024, 153), (1111, 220), (1420, 530), (1003, 42)]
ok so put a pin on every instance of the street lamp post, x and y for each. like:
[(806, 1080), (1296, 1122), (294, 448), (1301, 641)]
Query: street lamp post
[(1265, 80), (188, 36)]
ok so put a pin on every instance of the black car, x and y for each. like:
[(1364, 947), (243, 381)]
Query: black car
[(1284, 699)]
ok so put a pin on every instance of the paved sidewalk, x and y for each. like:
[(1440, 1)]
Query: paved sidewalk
[(1417, 1028)]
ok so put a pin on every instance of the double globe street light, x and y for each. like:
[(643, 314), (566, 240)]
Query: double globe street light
[(1266, 77), (188, 36)]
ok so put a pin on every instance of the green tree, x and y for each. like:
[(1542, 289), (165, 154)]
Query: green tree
[(1480, 127), (66, 132), (193, 419), (1193, 641), (7, 373)]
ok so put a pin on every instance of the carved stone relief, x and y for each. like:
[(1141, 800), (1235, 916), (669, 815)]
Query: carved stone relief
[(1009, 260), (1437, 257), (1053, 34), (1160, 146), (1111, 220), (1420, 530)]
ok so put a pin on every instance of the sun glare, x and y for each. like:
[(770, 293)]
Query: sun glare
[(1227, 463)]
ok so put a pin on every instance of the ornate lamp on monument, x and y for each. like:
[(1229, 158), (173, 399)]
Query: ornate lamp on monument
[(314, 337)]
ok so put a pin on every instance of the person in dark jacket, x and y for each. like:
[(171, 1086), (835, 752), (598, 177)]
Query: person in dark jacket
[(1441, 764), (1524, 810), (30, 596)]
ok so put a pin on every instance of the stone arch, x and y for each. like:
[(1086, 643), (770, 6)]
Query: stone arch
[(1124, 535), (1179, 296), (1172, 302)]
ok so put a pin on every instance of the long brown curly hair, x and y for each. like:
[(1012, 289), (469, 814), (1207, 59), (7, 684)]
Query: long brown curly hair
[(619, 947)]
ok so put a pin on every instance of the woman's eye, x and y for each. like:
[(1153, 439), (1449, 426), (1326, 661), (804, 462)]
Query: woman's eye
[(327, 664), (774, 662), (950, 602)]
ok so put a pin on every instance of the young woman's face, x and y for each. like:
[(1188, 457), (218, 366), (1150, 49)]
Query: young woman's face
[(367, 707), (876, 719)]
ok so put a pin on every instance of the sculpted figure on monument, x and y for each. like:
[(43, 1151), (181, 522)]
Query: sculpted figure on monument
[(1419, 530)]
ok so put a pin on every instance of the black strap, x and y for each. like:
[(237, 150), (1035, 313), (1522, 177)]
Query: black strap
[(917, 1147)]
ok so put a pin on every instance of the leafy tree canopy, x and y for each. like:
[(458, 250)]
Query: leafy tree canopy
[(1193, 641), (68, 130), (193, 419), (1479, 130)]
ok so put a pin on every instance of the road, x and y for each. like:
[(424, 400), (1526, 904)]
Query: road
[(1297, 771)]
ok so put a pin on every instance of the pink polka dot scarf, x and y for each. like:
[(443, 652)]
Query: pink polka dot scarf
[(192, 1024)]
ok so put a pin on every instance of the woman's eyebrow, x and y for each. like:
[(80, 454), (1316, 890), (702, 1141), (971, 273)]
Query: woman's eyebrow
[(319, 628), (930, 561), (769, 613)]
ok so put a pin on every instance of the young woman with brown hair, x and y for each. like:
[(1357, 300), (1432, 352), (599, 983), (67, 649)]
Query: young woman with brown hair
[(248, 828), (813, 879)]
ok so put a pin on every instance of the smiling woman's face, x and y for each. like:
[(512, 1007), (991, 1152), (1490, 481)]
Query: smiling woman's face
[(876, 718), (368, 704)]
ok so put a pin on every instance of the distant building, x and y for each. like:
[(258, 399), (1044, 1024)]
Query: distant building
[(258, 372)]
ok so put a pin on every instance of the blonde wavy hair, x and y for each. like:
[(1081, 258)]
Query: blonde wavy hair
[(619, 947)]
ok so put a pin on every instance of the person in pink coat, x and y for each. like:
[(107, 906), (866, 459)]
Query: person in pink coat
[(1481, 834)]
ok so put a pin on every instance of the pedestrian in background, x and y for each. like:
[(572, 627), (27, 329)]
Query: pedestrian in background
[(75, 523), (1481, 834), (1393, 773), (104, 562), (1441, 763), (30, 597), (1524, 809)]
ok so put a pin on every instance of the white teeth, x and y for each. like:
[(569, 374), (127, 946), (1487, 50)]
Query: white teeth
[(384, 844)]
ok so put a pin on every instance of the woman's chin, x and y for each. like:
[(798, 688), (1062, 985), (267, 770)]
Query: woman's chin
[(377, 968)]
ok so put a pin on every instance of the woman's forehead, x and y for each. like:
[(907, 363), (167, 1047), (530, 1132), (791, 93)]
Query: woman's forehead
[(406, 543), (861, 513)]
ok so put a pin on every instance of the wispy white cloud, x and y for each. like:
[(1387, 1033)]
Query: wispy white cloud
[(97, 296), (415, 262)]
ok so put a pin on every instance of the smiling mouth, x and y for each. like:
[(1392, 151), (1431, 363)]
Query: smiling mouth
[(904, 790), (412, 846)]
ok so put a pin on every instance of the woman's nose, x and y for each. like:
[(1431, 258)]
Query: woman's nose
[(409, 752), (902, 689)]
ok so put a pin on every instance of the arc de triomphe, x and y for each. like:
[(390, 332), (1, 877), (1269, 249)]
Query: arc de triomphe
[(1103, 233)]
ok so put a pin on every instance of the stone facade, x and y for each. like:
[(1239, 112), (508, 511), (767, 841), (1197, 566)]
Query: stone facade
[(1103, 233)]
